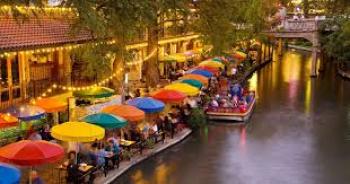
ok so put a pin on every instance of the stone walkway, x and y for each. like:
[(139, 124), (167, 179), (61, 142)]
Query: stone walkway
[(125, 165)]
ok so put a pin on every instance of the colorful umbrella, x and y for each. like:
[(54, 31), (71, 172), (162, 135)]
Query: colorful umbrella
[(240, 55), (193, 83), (51, 105), (209, 69), (9, 174), (197, 77), (31, 153), (96, 92), (189, 53), (26, 112), (108, 121), (77, 132), (147, 104), (6, 120), (128, 112), (217, 59), (203, 73), (212, 64), (169, 96), (184, 88), (178, 57)]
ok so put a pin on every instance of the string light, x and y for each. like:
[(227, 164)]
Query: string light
[(31, 8), (141, 61)]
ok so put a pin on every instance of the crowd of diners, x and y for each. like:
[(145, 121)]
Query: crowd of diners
[(101, 156)]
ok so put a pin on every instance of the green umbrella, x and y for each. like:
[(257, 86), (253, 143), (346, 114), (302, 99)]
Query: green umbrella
[(217, 59), (96, 92), (193, 82), (107, 121)]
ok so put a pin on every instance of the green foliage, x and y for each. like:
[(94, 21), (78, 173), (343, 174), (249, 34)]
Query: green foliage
[(97, 60), (197, 118), (150, 143), (127, 155), (226, 22), (335, 38), (221, 23)]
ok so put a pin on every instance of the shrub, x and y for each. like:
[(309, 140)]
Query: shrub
[(197, 118)]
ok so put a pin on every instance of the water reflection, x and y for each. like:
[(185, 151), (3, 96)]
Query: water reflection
[(298, 134)]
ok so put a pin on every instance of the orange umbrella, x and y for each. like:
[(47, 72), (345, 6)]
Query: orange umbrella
[(197, 77), (51, 105), (127, 112), (6, 120)]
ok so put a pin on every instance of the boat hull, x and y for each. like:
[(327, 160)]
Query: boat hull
[(234, 117)]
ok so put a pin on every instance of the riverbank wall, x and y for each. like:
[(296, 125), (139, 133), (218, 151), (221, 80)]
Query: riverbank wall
[(250, 72)]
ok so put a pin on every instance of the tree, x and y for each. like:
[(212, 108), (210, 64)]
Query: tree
[(306, 7), (335, 36), (221, 23)]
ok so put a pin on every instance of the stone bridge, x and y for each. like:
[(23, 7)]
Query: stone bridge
[(303, 28)]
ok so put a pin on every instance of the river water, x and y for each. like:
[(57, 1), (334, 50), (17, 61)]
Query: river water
[(298, 134)]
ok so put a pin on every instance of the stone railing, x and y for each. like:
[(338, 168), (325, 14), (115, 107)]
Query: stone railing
[(302, 25)]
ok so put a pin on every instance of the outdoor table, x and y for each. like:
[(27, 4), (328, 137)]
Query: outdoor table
[(126, 143), (86, 168)]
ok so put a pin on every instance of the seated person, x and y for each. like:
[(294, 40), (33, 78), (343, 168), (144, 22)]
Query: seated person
[(73, 172), (214, 103), (235, 101), (224, 103), (100, 154), (36, 179), (115, 149), (35, 136), (153, 129), (135, 135)]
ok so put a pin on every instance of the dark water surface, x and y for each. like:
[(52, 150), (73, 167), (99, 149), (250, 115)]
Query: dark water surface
[(299, 134)]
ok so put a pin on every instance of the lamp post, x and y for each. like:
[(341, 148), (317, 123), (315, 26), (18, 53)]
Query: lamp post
[(125, 83)]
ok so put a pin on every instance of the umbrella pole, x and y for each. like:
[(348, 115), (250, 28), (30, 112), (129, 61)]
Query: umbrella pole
[(121, 133), (30, 175)]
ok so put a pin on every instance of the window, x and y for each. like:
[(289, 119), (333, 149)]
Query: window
[(3, 73), (5, 96), (15, 70), (16, 92)]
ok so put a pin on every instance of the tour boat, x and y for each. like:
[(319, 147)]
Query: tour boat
[(237, 114)]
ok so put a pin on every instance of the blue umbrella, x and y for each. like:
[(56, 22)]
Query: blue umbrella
[(204, 73), (26, 112), (105, 120), (9, 174), (147, 104)]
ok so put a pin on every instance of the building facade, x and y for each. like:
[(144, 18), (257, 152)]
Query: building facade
[(35, 53)]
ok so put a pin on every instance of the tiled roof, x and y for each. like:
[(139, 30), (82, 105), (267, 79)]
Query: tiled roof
[(37, 32)]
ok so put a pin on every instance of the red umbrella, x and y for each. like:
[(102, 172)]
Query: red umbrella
[(31, 153), (170, 96)]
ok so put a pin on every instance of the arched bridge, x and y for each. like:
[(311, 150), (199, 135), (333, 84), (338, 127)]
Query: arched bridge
[(303, 28)]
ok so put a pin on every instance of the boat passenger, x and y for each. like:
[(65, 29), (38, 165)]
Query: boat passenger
[(214, 103)]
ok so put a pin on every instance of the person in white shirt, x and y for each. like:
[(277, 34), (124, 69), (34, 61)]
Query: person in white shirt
[(214, 103)]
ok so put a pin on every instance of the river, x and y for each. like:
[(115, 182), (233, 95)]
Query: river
[(298, 134)]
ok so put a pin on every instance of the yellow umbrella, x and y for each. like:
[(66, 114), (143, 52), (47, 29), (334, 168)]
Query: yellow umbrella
[(184, 88), (178, 57), (212, 64), (77, 132)]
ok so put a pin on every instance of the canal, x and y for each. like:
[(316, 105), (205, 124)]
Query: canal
[(298, 134)]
